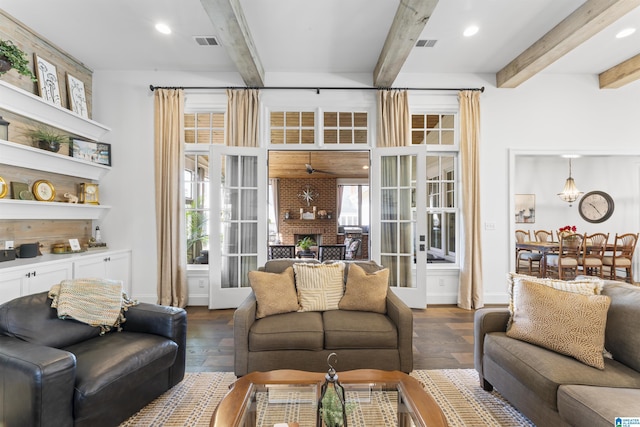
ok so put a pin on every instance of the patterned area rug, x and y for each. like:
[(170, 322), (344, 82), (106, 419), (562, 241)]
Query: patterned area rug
[(457, 391)]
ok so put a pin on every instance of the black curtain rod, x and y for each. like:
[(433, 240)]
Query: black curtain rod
[(316, 88)]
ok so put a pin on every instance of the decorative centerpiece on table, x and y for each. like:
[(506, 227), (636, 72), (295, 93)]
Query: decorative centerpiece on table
[(305, 244), (567, 229)]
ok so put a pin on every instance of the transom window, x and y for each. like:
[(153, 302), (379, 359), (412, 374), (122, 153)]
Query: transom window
[(345, 127), (432, 129), (204, 128), (292, 127)]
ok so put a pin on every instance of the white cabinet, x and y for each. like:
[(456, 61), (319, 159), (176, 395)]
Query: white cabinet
[(33, 275), (109, 265), (32, 279)]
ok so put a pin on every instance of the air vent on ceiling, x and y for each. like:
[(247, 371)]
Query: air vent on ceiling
[(206, 40), (426, 43)]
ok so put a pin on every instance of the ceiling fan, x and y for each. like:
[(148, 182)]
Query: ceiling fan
[(311, 170)]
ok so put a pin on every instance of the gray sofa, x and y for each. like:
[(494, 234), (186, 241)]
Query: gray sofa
[(556, 390), (303, 340), (57, 372)]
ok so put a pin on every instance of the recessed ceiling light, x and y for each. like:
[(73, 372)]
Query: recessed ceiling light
[(163, 28), (625, 33), (365, 167), (470, 31)]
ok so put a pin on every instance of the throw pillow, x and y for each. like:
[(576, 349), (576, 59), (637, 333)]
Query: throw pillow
[(320, 286), (365, 291), (275, 292), (584, 286), (565, 322)]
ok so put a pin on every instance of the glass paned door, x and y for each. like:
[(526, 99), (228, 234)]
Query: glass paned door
[(238, 190), (401, 241)]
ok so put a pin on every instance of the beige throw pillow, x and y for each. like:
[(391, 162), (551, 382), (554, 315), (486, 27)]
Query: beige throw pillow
[(320, 286), (365, 291), (275, 292), (565, 322)]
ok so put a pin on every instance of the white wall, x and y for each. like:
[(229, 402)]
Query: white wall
[(548, 113)]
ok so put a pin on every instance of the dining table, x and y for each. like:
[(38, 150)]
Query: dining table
[(546, 248)]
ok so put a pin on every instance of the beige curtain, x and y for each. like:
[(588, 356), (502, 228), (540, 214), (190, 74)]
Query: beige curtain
[(470, 291), (393, 118), (242, 117), (169, 167)]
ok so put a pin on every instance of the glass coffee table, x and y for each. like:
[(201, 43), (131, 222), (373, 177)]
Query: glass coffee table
[(289, 397)]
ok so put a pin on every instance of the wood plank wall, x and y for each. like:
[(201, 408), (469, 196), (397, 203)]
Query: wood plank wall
[(47, 232)]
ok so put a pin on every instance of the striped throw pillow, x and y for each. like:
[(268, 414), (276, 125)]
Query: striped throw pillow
[(320, 286)]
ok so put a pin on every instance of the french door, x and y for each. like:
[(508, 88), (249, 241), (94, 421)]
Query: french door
[(398, 180), (238, 224)]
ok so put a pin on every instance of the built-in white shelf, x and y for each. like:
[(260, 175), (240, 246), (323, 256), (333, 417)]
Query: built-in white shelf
[(30, 209), (34, 158), (23, 103)]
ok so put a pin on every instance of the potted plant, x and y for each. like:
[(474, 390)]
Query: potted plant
[(305, 243), (12, 57), (47, 139)]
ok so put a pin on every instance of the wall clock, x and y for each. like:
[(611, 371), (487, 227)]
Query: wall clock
[(89, 193), (596, 206), (43, 190)]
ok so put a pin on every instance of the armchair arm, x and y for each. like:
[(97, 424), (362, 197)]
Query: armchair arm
[(243, 318), (486, 320), (402, 316), (36, 383), (169, 322)]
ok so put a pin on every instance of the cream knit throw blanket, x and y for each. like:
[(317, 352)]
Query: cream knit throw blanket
[(96, 302)]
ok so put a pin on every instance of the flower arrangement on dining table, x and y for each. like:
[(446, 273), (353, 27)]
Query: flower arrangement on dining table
[(567, 229)]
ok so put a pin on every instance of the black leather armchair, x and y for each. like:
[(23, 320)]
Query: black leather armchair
[(57, 372)]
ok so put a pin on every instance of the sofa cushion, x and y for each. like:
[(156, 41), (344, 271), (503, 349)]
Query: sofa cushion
[(288, 331), (597, 406), (31, 318), (320, 286), (365, 291), (569, 323), (115, 364), (542, 370), (358, 329), (622, 338), (275, 293)]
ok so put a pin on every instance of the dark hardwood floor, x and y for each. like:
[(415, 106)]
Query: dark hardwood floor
[(442, 339)]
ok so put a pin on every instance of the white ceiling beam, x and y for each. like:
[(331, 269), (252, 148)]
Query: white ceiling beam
[(233, 32), (582, 24), (411, 18), (621, 74)]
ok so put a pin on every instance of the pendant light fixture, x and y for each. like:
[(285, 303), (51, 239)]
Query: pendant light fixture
[(570, 192)]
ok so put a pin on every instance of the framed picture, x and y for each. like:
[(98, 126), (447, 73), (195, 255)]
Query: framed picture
[(48, 86), (525, 208), (96, 152), (77, 96)]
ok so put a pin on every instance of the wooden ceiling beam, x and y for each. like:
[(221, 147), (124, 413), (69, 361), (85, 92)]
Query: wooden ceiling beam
[(582, 24), (233, 32), (408, 23), (621, 74)]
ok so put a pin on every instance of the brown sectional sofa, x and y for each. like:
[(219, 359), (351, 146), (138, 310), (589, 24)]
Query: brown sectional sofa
[(303, 340), (556, 390)]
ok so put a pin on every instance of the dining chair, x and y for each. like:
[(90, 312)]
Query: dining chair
[(568, 257), (593, 251), (621, 258), (525, 255), (328, 252), (352, 246), (543, 236), (282, 251)]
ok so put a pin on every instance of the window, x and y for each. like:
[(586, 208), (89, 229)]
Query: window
[(437, 132), (196, 182), (292, 127), (442, 210), (204, 128), (345, 127), (354, 205), (432, 129)]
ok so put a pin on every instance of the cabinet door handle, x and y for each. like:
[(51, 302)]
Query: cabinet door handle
[(29, 274), (107, 259)]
